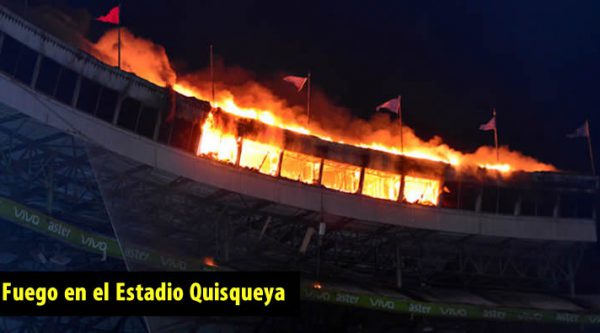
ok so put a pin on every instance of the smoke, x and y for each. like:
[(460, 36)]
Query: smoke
[(138, 55), (70, 25), (237, 89), (240, 85)]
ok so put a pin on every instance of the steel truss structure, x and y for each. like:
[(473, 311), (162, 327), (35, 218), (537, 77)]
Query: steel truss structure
[(147, 205), (50, 169), (95, 189), (71, 324), (78, 182)]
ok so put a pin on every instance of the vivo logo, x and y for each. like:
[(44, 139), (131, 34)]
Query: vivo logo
[(454, 312), (94, 244), (25, 216), (321, 296), (380, 303), (530, 315), (172, 263)]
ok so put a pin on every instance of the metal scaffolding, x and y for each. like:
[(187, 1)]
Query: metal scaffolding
[(79, 182)]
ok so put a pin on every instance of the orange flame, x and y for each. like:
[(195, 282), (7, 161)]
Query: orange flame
[(252, 100), (217, 143)]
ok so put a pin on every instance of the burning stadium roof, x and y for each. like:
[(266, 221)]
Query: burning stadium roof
[(196, 169), (287, 162)]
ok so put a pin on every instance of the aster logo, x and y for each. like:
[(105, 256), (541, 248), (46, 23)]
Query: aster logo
[(59, 229), (494, 314), (136, 254), (346, 298), (567, 317), (419, 308)]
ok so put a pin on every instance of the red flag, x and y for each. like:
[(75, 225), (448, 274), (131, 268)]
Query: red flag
[(490, 125), (581, 132), (297, 81), (112, 17), (392, 105)]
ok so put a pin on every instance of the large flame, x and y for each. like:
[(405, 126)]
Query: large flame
[(249, 99)]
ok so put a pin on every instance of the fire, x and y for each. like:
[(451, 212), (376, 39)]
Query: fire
[(221, 142), (216, 143), (382, 185), (499, 167), (300, 167), (340, 176), (248, 99), (259, 156), (421, 190)]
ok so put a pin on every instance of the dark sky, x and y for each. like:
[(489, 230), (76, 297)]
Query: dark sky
[(537, 62)]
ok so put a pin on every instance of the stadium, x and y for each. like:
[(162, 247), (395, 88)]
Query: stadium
[(103, 170)]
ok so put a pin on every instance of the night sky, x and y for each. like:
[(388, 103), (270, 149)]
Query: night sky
[(537, 62)]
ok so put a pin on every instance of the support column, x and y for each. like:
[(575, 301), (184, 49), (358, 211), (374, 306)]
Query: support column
[(571, 277), (306, 240), (479, 201), (556, 210), (36, 70), (517, 210), (399, 267), (50, 187), (76, 92)]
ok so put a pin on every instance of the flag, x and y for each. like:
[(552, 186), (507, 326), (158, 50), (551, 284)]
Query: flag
[(112, 17), (489, 126), (297, 81), (582, 132), (392, 105)]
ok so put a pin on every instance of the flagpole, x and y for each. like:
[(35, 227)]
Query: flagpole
[(400, 120), (496, 136), (308, 99), (119, 32), (589, 140), (212, 75)]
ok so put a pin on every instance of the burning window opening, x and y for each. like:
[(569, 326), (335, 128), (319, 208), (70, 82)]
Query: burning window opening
[(341, 176), (381, 185), (219, 140), (261, 157), (421, 190), (300, 167), (217, 143)]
